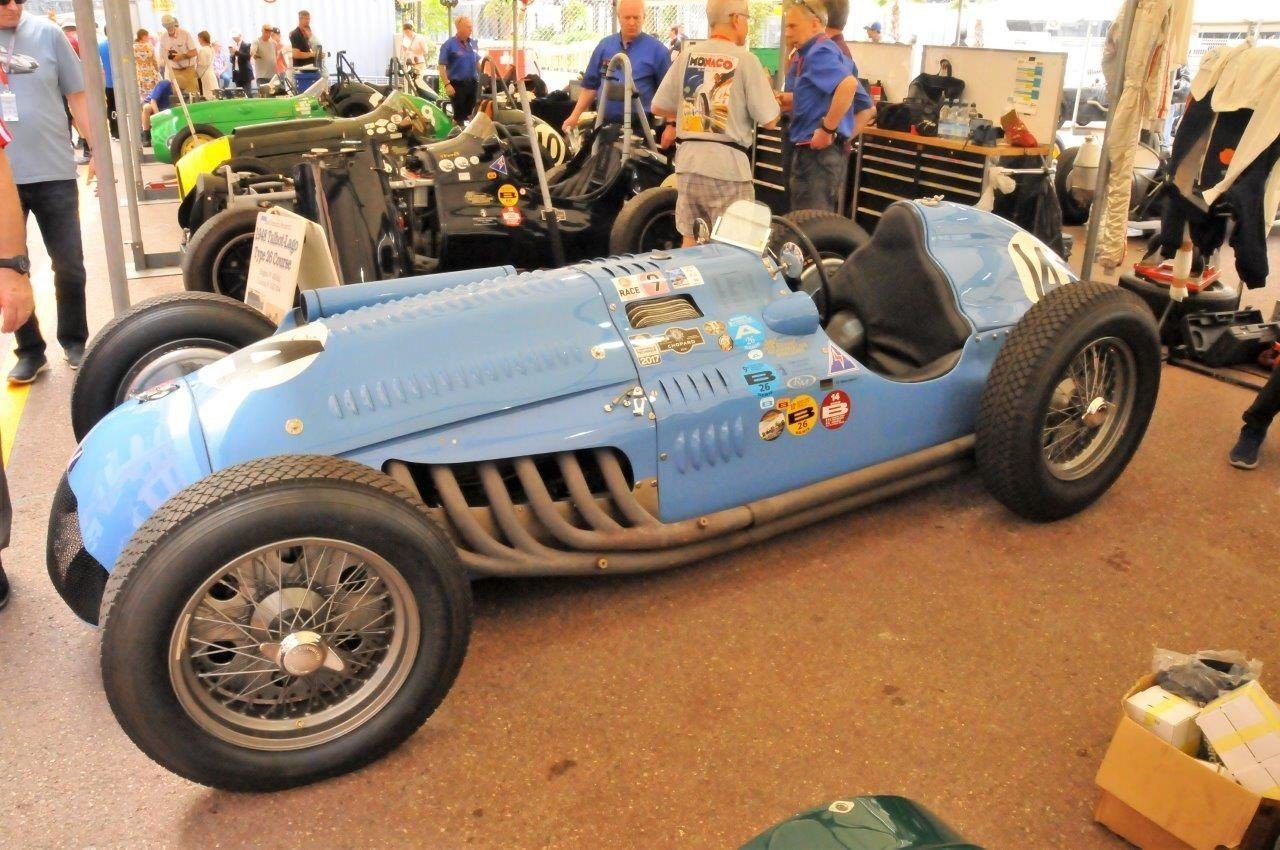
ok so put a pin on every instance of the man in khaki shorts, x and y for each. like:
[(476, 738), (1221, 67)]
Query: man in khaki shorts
[(716, 92)]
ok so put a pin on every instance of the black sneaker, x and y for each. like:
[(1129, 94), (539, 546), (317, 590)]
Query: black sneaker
[(1245, 453), (4, 589), (74, 353), (146, 138), (29, 366)]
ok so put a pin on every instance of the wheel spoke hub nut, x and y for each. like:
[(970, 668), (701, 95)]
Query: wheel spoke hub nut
[(1095, 415)]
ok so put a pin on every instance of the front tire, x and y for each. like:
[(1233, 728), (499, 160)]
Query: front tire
[(835, 238), (158, 340), (184, 141), (282, 621), (217, 257), (1068, 400)]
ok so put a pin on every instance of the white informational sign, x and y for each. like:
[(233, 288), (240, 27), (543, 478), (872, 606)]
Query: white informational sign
[(288, 251)]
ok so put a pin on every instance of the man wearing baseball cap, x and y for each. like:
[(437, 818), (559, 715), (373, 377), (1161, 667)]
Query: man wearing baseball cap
[(875, 32), (178, 50)]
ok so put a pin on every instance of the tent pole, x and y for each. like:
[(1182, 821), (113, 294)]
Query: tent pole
[(1104, 164), (107, 204), (120, 27)]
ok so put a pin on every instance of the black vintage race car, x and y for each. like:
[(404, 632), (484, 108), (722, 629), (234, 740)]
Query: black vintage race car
[(456, 204)]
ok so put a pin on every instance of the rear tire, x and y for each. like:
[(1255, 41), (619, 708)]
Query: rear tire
[(1068, 400), (157, 341), (647, 223), (217, 257), (190, 618), (1073, 212), (834, 236)]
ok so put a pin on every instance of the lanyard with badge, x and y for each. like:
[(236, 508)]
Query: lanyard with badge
[(8, 100)]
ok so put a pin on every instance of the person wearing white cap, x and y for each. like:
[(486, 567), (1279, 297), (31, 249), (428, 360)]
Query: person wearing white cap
[(716, 93), (241, 66), (178, 53)]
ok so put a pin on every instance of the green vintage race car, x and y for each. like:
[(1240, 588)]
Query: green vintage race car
[(173, 136)]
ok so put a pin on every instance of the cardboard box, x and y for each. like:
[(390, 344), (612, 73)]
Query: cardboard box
[(1170, 717), (1243, 727), (1160, 798)]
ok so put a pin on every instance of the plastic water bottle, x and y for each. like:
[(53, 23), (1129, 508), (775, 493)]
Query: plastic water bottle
[(945, 117), (962, 122)]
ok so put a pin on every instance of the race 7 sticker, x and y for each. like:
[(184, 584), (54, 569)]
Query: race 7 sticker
[(839, 361), (684, 277), (746, 331), (645, 285), (760, 378), (835, 409), (679, 340)]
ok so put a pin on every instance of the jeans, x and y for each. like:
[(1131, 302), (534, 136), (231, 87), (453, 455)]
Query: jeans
[(56, 207), (816, 177), (1264, 408)]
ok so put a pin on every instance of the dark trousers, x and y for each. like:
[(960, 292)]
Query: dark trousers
[(1264, 408), (112, 119), (56, 207), (816, 177), (464, 99)]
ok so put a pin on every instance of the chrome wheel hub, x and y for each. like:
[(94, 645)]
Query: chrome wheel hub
[(1089, 408), (294, 644)]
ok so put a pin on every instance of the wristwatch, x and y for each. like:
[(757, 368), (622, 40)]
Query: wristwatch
[(20, 264), (831, 133)]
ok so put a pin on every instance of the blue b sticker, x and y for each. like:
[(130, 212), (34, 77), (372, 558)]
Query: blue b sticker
[(761, 378), (746, 332)]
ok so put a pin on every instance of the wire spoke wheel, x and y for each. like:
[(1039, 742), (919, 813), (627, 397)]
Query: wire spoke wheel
[(192, 142), (1089, 409), (294, 644)]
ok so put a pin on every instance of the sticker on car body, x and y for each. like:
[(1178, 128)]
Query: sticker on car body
[(802, 413), (684, 277), (760, 378), (649, 348), (746, 331), (772, 423), (839, 361), (836, 408), (635, 286)]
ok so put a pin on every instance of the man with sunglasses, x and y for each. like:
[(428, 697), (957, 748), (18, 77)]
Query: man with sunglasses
[(44, 169), (716, 93), (828, 108)]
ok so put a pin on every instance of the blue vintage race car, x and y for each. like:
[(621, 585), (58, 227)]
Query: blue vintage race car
[(278, 546)]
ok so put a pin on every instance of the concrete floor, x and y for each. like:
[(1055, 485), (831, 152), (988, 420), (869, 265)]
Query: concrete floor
[(935, 646)]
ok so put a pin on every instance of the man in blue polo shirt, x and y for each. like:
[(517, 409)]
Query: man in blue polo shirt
[(650, 59), (828, 108), (460, 70)]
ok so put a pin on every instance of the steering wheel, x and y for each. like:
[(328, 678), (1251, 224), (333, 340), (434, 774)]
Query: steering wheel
[(810, 254)]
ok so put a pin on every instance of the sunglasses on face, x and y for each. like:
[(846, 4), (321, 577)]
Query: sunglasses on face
[(7, 2)]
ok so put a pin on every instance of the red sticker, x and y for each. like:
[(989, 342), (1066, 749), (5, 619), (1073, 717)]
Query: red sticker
[(835, 409), (512, 218)]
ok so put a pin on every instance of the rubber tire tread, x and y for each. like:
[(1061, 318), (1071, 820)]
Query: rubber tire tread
[(624, 236), (202, 250), (1007, 423), (355, 105), (114, 350), (1072, 211), (239, 481), (175, 144), (825, 227)]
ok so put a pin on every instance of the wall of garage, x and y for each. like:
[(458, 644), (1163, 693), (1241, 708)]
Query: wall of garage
[(366, 29)]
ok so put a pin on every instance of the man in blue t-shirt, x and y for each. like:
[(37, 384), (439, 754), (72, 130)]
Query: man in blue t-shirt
[(650, 59), (460, 70), (828, 108)]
